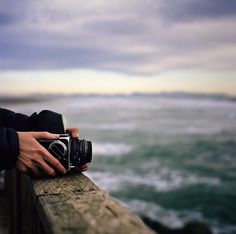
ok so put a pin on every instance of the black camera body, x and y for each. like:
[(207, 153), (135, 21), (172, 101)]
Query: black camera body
[(71, 152)]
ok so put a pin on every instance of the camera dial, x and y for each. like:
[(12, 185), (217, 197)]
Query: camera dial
[(58, 149)]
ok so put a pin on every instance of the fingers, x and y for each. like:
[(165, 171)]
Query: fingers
[(47, 156), (33, 156), (26, 169), (46, 168), (83, 167), (21, 167), (74, 132), (35, 170), (45, 135), (54, 162)]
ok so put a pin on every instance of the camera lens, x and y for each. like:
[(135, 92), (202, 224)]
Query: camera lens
[(81, 151)]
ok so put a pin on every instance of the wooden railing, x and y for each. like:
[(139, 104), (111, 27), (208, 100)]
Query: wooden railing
[(68, 204)]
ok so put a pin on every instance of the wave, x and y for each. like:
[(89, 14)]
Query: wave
[(197, 130), (173, 218), (106, 126), (169, 217), (163, 181), (111, 149)]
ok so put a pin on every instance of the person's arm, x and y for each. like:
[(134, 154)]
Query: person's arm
[(9, 148), (43, 121), (31, 155), (22, 150)]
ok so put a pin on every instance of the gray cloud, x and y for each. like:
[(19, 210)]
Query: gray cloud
[(198, 9), (6, 19), (116, 27), (128, 36)]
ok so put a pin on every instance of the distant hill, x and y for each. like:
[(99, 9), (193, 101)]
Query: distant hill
[(7, 99), (187, 95)]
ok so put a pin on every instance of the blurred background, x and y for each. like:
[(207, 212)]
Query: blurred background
[(151, 83)]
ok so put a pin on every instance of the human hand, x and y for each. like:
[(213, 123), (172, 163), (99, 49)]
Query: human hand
[(74, 132), (33, 156)]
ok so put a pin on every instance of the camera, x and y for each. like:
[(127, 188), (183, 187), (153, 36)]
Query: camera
[(71, 152)]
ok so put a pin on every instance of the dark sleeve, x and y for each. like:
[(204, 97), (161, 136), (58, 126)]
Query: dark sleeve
[(46, 120), (9, 148), (17, 121)]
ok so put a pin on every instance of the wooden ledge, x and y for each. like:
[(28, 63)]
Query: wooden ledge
[(71, 204)]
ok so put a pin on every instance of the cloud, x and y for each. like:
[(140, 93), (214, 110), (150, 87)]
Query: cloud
[(6, 19), (198, 9), (124, 36)]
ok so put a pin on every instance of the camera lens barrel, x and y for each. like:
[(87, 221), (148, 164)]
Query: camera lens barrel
[(81, 151)]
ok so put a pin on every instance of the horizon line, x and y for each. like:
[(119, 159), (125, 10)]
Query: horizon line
[(48, 94)]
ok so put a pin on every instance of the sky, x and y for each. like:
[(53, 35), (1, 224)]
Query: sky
[(104, 46)]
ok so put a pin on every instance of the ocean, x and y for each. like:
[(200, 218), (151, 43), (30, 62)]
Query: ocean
[(171, 158)]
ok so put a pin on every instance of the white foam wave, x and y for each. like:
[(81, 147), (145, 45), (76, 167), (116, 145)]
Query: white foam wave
[(106, 126), (171, 218), (198, 130), (174, 219), (117, 126), (167, 180), (105, 180), (111, 149), (163, 181)]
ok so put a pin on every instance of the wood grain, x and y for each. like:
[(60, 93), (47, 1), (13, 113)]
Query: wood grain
[(72, 204)]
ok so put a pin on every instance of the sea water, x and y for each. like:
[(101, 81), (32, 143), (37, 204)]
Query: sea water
[(172, 159)]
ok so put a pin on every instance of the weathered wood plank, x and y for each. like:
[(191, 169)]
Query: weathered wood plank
[(72, 204), (65, 184), (88, 213)]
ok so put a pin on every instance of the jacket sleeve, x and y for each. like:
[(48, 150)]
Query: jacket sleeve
[(46, 120), (17, 121), (9, 148)]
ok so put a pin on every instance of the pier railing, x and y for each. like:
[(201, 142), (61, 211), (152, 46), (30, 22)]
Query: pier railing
[(68, 204)]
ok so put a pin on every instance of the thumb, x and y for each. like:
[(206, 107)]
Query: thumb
[(45, 135)]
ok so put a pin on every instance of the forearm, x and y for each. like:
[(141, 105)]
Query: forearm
[(44, 121), (17, 121), (9, 148)]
